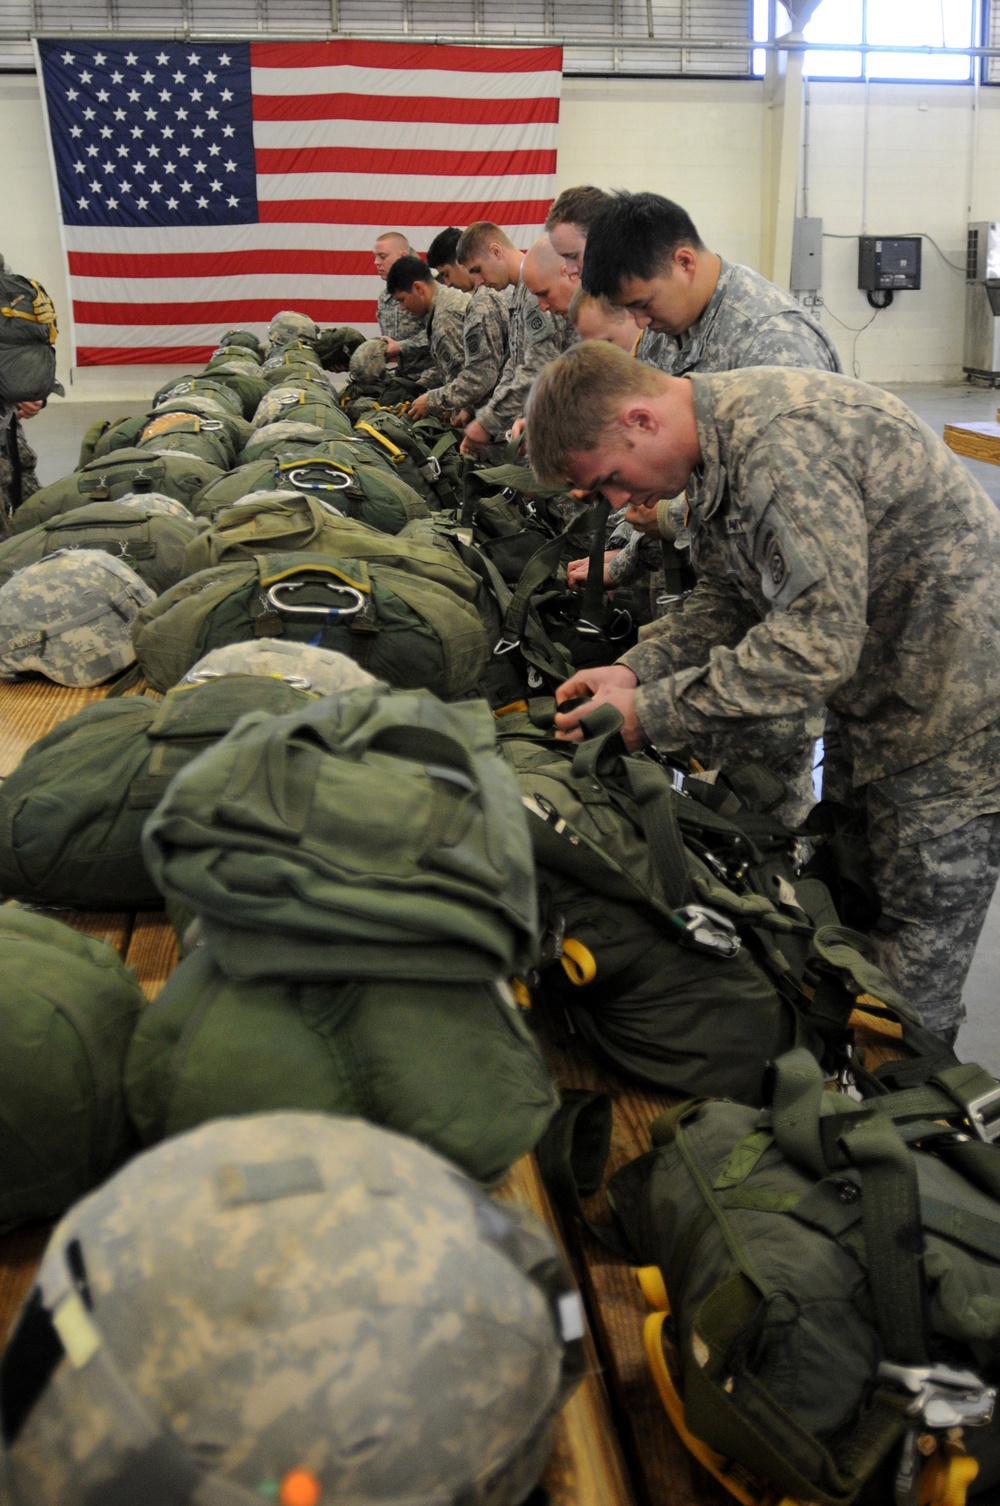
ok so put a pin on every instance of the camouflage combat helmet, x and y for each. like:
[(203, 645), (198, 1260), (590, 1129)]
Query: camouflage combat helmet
[(69, 617), (367, 366), (288, 1300), (335, 347), (288, 327), (156, 502), (302, 665)]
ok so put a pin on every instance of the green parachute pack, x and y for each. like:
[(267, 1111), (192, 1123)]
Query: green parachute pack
[(28, 331), (67, 1010), (72, 811), (407, 618), (679, 934), (345, 476), (375, 834), (451, 1064), (108, 477), (832, 1271), (152, 542), (217, 439), (284, 519)]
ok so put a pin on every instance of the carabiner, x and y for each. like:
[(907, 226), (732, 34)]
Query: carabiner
[(355, 600), (317, 476)]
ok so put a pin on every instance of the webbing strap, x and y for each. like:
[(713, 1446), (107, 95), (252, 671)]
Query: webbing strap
[(541, 565), (821, 1131)]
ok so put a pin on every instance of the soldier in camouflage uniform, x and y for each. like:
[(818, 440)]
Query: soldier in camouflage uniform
[(484, 335), (405, 337), (414, 287), (491, 258), (18, 477), (846, 558), (290, 1307)]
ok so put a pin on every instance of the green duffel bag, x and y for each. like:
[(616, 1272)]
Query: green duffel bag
[(108, 477), (286, 404), (401, 621), (338, 474), (451, 1064), (191, 434), (425, 453), (150, 541), (681, 942), (291, 363), (372, 835), (72, 812), (282, 441), (833, 1273), (242, 342), (68, 1006), (184, 388), (241, 378), (106, 434)]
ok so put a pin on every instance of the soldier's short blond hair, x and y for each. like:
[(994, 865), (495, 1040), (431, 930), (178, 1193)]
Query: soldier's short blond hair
[(478, 236), (575, 400), (398, 239)]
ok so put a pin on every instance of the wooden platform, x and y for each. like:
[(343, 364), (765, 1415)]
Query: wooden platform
[(979, 441)]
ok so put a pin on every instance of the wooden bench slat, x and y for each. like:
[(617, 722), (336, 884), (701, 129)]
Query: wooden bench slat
[(152, 952)]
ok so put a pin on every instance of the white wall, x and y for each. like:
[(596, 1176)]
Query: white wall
[(933, 151)]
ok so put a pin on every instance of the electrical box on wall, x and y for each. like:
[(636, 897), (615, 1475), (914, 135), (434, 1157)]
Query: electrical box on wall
[(888, 264), (807, 255)]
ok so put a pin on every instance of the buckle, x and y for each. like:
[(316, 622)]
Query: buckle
[(984, 1115), (431, 469), (504, 645), (943, 1397), (707, 930)]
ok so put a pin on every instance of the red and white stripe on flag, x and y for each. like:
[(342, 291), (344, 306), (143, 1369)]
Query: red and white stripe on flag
[(178, 227)]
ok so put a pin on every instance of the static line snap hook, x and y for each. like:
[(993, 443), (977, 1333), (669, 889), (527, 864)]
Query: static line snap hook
[(353, 600)]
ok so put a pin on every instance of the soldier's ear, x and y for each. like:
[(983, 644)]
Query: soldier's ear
[(638, 417), (685, 260)]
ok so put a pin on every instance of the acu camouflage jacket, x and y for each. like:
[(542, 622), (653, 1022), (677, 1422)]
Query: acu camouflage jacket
[(846, 556)]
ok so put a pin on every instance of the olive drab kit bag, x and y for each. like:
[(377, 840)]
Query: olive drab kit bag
[(72, 812), (402, 617), (831, 1277), (108, 477), (150, 540), (28, 333), (374, 834), (681, 939), (450, 1063), (68, 1006)]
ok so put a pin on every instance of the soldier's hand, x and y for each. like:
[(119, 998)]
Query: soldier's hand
[(476, 439), (576, 571), (461, 418), (28, 410), (391, 346), (644, 518), (418, 407), (517, 428), (607, 684)]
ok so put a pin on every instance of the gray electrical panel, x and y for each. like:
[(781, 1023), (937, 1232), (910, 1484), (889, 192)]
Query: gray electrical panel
[(807, 255)]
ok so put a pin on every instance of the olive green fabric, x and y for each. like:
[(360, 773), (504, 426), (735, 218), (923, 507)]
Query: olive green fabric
[(424, 452), (451, 1064), (108, 477), (398, 616), (286, 519), (72, 811), (372, 835), (212, 439), (803, 1245), (28, 332), (152, 543), (67, 1009), (184, 388), (625, 863), (345, 476)]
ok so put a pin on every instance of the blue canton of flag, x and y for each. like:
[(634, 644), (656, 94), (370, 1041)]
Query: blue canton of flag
[(149, 134)]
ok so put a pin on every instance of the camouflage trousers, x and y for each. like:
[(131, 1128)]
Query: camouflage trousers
[(12, 495), (935, 894)]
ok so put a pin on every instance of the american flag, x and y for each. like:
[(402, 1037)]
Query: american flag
[(204, 187)]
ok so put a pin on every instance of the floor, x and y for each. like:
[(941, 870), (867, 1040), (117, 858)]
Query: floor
[(56, 433)]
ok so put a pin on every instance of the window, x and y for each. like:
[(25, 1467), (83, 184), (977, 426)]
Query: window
[(599, 36), (841, 25)]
